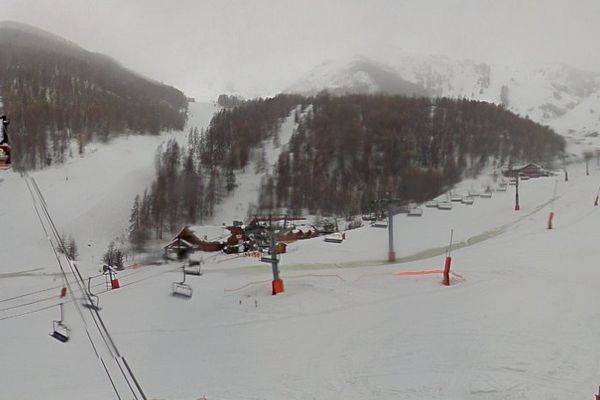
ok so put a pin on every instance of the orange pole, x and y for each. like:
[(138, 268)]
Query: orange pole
[(277, 286), (447, 265), (550, 218), (391, 256)]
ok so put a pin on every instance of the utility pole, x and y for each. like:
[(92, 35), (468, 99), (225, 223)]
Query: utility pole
[(517, 207), (273, 251), (390, 217), (277, 283), (391, 252)]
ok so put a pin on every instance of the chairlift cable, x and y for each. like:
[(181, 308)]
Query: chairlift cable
[(126, 380), (29, 294), (57, 287), (81, 283), (28, 312), (137, 384), (71, 293), (47, 235), (27, 304), (110, 378)]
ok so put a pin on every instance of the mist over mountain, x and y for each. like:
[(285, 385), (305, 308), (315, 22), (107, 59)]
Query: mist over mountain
[(56, 92), (359, 76), (557, 95)]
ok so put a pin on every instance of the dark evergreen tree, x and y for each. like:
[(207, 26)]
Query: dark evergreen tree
[(230, 181), (138, 233), (114, 257), (72, 249)]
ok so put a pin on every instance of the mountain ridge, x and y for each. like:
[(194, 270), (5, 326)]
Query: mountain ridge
[(56, 92), (548, 93)]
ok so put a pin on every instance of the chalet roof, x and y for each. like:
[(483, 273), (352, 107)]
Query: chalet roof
[(196, 233), (180, 242), (532, 165), (213, 233)]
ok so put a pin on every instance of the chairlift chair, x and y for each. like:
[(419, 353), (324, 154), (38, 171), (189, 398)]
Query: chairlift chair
[(468, 200), (5, 156), (182, 289), (335, 237), (5, 149), (60, 331), (380, 223), (415, 212), (193, 268), (444, 205)]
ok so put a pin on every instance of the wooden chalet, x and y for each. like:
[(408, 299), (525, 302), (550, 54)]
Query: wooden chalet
[(530, 170), (187, 240)]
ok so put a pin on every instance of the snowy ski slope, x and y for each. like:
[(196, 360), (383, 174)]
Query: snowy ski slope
[(520, 321)]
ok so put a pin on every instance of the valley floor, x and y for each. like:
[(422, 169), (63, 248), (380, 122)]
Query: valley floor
[(520, 320)]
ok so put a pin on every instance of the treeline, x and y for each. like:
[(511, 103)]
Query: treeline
[(234, 133), (177, 194), (344, 154), (56, 94), (191, 180), (348, 151), (229, 101)]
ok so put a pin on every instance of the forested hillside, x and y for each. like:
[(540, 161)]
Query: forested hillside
[(54, 92), (344, 153), (191, 180), (349, 150)]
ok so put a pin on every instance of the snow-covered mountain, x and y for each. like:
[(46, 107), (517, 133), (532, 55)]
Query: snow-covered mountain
[(360, 75), (557, 95)]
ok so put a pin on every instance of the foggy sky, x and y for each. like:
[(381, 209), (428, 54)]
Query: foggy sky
[(256, 47)]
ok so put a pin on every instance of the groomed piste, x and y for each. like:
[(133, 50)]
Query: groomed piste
[(520, 319)]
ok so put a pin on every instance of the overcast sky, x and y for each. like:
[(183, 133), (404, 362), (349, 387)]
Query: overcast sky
[(258, 47)]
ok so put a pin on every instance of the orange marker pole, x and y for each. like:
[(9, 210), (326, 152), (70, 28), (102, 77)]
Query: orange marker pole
[(448, 262), (550, 218), (551, 215), (447, 265), (277, 286)]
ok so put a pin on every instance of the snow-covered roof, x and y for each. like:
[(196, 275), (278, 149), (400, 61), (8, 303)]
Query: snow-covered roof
[(213, 233), (181, 241)]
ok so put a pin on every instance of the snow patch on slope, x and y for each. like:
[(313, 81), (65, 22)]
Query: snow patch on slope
[(235, 206), (89, 197), (518, 324)]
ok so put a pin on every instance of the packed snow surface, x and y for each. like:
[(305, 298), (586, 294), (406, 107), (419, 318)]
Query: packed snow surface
[(520, 320)]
